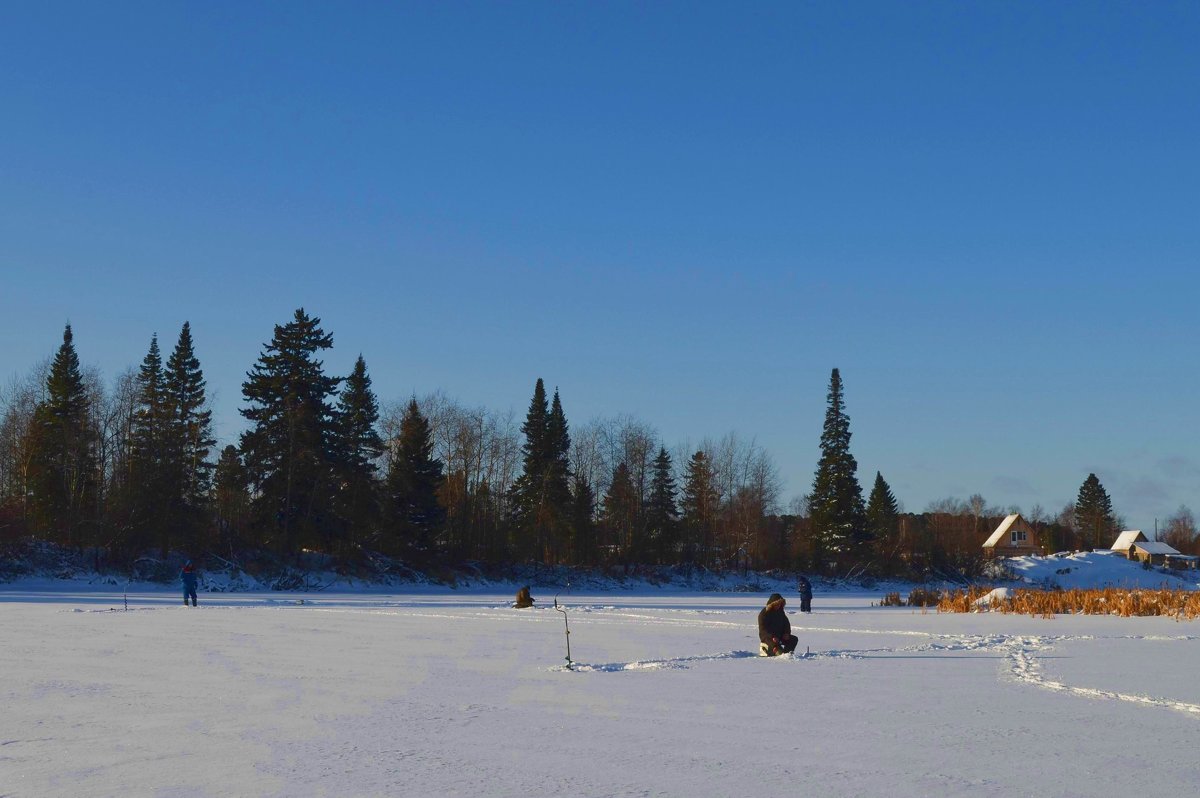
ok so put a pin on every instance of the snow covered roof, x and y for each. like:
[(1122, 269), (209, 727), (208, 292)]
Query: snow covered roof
[(1001, 530), (1156, 547), (1127, 538)]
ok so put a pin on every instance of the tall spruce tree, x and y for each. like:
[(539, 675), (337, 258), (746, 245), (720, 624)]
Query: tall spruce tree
[(699, 507), (525, 496), (289, 452), (558, 452), (414, 480), (583, 523), (151, 415), (231, 499), (150, 438), (1094, 518), (359, 447), (558, 482), (63, 467), (883, 513), (191, 423), (620, 515), (662, 515), (539, 500), (190, 440), (836, 504)]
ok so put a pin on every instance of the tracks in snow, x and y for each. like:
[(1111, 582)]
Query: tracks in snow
[(1025, 662), (1023, 653)]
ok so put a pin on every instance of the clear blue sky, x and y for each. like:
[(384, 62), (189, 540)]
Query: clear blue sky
[(987, 215)]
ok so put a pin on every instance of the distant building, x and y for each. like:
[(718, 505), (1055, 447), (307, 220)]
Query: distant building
[(1013, 538), (1125, 542), (1154, 552), (1134, 545), (1183, 561)]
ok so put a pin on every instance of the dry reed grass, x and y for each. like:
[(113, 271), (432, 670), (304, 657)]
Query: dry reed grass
[(924, 597), (891, 600), (919, 597), (1170, 602)]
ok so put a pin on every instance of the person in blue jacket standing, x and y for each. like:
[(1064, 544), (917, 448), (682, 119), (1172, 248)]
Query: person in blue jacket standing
[(188, 575), (805, 588)]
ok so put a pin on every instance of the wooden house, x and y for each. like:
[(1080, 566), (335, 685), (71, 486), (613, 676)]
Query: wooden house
[(1125, 542), (1134, 545), (1013, 538), (1154, 552)]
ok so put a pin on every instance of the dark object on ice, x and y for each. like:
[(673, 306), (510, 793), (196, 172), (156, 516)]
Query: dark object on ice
[(523, 598), (805, 588), (774, 628), (188, 575)]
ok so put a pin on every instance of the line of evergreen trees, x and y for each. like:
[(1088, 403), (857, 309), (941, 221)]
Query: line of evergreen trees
[(320, 467)]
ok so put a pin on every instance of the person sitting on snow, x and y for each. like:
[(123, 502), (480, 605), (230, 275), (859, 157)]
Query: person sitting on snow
[(523, 598), (774, 628), (188, 575)]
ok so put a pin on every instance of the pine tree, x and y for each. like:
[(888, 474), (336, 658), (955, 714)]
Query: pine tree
[(620, 514), (525, 493), (191, 425), (231, 499), (662, 516), (289, 451), (413, 483), (149, 486), (836, 504), (583, 525), (359, 447), (538, 507), (1094, 518), (883, 515), (63, 478), (148, 433), (699, 506), (558, 482), (558, 453)]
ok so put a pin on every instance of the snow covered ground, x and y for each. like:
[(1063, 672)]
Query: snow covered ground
[(444, 693), (1090, 569)]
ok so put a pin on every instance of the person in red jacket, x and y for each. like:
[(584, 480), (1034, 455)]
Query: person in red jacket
[(774, 628)]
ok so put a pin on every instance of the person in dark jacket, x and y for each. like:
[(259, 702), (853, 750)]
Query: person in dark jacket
[(774, 628), (805, 588), (523, 598), (188, 575)]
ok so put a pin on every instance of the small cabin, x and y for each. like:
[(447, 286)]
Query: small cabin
[(1013, 538), (1154, 552), (1126, 540)]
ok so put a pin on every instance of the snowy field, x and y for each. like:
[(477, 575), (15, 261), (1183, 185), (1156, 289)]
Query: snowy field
[(450, 694)]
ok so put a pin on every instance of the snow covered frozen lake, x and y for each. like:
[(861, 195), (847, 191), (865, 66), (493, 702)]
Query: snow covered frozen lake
[(458, 694)]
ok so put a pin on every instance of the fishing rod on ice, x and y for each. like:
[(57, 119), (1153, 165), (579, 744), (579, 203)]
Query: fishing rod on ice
[(566, 626)]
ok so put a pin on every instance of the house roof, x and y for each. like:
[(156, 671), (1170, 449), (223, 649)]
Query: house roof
[(1001, 530), (1156, 547), (1127, 538)]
